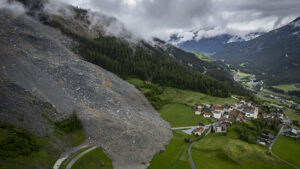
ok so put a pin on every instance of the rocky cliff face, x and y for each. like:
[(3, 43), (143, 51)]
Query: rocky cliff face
[(115, 115)]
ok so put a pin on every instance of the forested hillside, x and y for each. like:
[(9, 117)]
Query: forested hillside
[(141, 61), (216, 69)]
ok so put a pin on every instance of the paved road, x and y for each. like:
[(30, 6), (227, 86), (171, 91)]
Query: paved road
[(66, 154), (69, 166), (188, 127), (270, 150), (190, 146), (180, 128)]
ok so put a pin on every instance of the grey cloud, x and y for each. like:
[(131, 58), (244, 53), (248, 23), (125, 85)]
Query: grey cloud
[(164, 17), (15, 7)]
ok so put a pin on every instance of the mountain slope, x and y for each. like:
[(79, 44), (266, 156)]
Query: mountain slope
[(115, 115), (215, 69), (274, 56), (139, 59)]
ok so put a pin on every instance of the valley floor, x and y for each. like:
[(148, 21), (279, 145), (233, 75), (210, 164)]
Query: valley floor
[(212, 152)]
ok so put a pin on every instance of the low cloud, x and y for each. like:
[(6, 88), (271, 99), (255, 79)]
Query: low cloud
[(15, 7), (57, 7), (149, 18)]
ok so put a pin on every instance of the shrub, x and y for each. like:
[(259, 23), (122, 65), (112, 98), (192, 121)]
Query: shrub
[(17, 142)]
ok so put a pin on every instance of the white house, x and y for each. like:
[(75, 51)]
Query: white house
[(217, 114), (281, 115), (253, 113), (219, 108), (199, 107), (199, 131), (207, 105), (219, 128), (197, 112), (207, 115), (226, 115)]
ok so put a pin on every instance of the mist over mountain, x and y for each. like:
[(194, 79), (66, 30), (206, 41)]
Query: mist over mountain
[(209, 45)]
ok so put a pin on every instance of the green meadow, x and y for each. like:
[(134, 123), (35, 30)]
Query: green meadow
[(180, 115), (176, 155), (203, 57), (287, 87), (217, 151), (288, 149)]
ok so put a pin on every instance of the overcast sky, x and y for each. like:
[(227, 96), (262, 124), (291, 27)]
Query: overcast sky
[(162, 18)]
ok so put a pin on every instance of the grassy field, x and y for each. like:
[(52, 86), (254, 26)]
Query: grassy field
[(243, 75), (223, 152), (243, 64), (268, 91), (292, 114), (203, 57), (178, 111), (43, 157), (288, 149), (180, 115), (176, 155), (93, 160), (287, 87), (77, 137), (187, 97), (269, 100), (191, 98)]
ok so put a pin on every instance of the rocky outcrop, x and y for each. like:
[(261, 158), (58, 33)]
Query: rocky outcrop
[(115, 115)]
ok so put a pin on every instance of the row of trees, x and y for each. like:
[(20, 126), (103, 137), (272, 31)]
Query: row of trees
[(250, 132)]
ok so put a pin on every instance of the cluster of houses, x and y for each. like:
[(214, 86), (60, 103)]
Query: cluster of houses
[(292, 132), (240, 112), (226, 114), (266, 137), (247, 109)]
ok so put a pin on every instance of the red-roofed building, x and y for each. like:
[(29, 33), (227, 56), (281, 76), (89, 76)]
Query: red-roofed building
[(207, 114)]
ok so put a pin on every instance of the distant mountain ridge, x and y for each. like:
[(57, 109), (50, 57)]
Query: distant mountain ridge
[(209, 45), (273, 57)]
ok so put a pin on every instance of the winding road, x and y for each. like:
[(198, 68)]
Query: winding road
[(180, 128), (70, 152), (66, 154), (190, 146), (69, 166), (270, 150)]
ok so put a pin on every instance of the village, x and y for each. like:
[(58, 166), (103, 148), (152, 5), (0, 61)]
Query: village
[(225, 116)]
